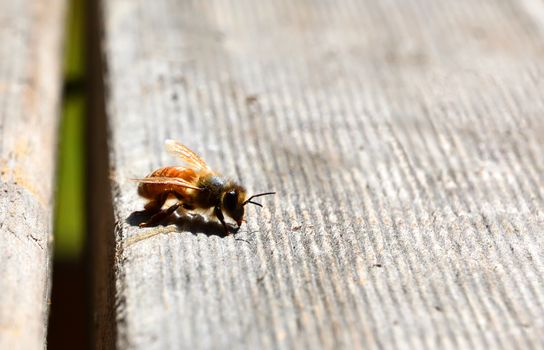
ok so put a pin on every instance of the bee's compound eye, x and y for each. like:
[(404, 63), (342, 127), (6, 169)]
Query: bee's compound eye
[(229, 201)]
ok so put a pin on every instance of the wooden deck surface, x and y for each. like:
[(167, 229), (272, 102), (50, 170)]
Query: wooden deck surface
[(30, 82), (404, 140)]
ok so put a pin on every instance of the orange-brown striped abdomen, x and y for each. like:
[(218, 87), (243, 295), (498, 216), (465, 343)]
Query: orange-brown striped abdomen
[(152, 190)]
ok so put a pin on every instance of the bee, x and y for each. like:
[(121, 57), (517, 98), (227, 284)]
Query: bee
[(196, 187)]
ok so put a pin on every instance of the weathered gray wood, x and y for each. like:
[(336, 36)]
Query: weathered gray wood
[(30, 80), (404, 139)]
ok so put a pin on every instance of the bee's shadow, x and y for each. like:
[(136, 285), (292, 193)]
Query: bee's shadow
[(193, 223)]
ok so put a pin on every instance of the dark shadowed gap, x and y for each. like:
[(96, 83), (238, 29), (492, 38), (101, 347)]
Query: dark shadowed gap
[(68, 318), (100, 224)]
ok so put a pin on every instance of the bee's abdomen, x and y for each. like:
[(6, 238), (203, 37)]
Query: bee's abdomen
[(152, 190), (172, 171)]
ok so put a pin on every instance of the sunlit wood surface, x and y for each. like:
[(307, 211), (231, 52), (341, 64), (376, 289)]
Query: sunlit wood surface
[(405, 140), (30, 80)]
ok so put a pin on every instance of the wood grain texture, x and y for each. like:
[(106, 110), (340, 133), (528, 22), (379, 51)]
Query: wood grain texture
[(404, 139), (30, 80)]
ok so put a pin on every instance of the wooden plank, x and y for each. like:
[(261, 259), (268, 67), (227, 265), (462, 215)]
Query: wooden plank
[(404, 139), (30, 81)]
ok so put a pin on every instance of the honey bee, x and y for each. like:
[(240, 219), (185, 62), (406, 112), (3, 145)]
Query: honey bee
[(196, 188)]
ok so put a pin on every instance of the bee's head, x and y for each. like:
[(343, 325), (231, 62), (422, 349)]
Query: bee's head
[(234, 201)]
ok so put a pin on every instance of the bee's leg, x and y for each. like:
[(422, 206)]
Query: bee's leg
[(183, 201), (219, 213), (161, 215), (154, 205)]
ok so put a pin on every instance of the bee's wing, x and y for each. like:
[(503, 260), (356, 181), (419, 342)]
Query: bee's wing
[(168, 181), (191, 158)]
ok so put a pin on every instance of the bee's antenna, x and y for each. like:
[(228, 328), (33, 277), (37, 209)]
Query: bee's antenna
[(249, 200)]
